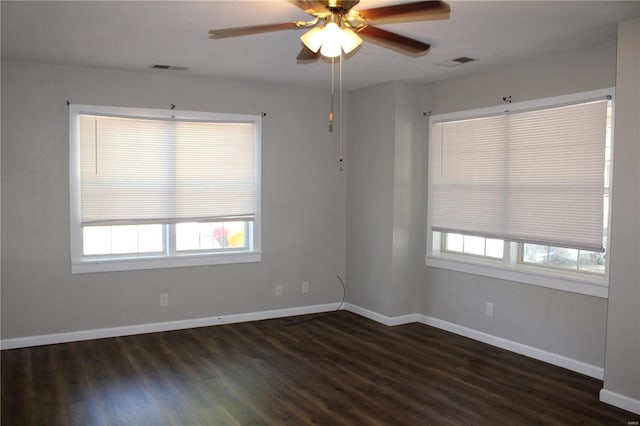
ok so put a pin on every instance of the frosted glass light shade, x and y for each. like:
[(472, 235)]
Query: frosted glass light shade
[(313, 39), (332, 40), (350, 40)]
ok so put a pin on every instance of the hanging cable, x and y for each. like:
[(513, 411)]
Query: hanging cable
[(294, 321), (340, 159), (333, 63)]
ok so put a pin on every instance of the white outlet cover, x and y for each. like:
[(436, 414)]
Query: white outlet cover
[(489, 309)]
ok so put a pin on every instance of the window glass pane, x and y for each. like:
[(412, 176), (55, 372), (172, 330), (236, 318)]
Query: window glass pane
[(124, 239), (606, 220), (237, 235), (563, 257), (454, 242), (566, 258), (220, 233), (96, 240), (211, 235), (534, 253), (187, 236), (474, 245), (150, 238), (590, 261), (495, 248), (208, 232)]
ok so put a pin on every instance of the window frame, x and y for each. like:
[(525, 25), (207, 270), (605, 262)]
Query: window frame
[(509, 267), (169, 258)]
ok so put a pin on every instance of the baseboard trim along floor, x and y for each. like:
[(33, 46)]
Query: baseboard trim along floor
[(522, 349), (75, 336), (607, 396), (532, 352), (620, 401)]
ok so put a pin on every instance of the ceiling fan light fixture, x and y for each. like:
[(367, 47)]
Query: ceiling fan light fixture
[(331, 40), (338, 17), (350, 40), (313, 39)]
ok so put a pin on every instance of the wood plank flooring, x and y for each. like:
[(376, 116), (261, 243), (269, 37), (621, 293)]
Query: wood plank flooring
[(338, 369)]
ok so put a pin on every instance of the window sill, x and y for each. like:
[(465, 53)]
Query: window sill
[(131, 264), (573, 282)]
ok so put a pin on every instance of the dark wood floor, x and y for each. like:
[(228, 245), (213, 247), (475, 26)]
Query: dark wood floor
[(340, 369)]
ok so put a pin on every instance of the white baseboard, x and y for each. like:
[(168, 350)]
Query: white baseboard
[(382, 319), (555, 359), (620, 401), (606, 396), (74, 336), (519, 348)]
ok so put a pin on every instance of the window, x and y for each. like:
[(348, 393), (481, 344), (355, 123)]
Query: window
[(473, 245), (522, 193), (155, 188), (563, 258)]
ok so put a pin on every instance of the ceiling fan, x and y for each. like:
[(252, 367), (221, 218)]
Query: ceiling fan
[(336, 27)]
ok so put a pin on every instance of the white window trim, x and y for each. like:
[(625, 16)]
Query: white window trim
[(158, 262), (87, 264), (509, 268)]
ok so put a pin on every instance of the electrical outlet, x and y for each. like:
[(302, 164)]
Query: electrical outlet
[(164, 299), (279, 290), (305, 286), (489, 309)]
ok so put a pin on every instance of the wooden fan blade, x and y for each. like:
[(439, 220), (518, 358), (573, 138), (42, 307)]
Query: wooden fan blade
[(394, 41), (408, 12), (253, 29), (307, 54)]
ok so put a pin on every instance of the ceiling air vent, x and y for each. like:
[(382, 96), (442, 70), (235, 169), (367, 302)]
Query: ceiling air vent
[(456, 62), (168, 67)]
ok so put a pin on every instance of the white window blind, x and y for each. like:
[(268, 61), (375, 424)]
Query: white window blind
[(529, 176), (139, 170)]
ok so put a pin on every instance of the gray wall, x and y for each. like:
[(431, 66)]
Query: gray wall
[(567, 324), (570, 71), (409, 209), (303, 204), (370, 174), (384, 214), (386, 190), (622, 364)]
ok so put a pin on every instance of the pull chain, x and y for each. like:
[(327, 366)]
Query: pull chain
[(333, 63), (340, 156)]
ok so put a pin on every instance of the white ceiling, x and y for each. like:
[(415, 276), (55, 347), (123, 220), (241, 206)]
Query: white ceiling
[(134, 35)]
